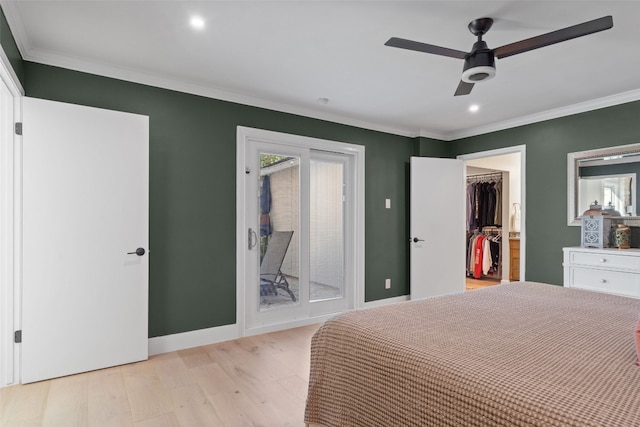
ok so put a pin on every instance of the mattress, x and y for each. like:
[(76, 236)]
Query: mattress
[(519, 354)]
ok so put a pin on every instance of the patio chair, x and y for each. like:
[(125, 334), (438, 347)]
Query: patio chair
[(271, 277)]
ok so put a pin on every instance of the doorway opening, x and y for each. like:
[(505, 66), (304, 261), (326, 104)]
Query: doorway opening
[(497, 232)]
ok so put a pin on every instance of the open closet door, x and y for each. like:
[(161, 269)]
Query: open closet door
[(437, 227), (85, 239)]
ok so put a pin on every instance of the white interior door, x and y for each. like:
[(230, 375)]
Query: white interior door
[(437, 227), (85, 209)]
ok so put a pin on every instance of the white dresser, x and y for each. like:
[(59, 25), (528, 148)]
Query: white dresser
[(614, 271)]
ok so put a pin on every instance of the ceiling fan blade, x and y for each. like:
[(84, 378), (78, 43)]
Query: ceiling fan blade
[(423, 47), (464, 88), (553, 37)]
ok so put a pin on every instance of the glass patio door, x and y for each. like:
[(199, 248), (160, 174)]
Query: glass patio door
[(296, 204), (328, 226)]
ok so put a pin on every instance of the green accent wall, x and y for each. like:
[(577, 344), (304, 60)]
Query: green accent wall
[(193, 192), (548, 144), (428, 147)]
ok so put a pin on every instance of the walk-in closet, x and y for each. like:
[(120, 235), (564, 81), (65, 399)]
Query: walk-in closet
[(484, 203), (492, 220)]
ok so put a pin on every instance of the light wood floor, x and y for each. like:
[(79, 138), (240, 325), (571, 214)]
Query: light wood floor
[(252, 381), (480, 283)]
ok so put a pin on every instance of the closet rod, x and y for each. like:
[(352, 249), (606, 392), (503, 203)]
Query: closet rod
[(479, 177), (492, 229)]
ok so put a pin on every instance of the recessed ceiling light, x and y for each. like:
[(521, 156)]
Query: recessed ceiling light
[(474, 108), (323, 101), (197, 22)]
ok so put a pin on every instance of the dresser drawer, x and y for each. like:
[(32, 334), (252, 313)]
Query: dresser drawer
[(606, 260), (614, 282)]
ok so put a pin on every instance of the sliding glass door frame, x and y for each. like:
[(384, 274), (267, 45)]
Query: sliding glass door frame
[(251, 142)]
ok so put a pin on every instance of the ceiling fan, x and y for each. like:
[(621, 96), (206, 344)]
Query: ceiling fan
[(479, 64)]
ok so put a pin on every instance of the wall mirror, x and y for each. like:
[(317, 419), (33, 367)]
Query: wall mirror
[(607, 175)]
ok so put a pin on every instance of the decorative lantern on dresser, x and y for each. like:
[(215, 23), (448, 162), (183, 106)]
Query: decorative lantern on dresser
[(597, 226)]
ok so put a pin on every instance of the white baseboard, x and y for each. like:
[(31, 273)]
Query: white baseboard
[(181, 341), (174, 342), (288, 325), (381, 302)]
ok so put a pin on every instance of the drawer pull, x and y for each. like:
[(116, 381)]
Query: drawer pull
[(603, 280), (603, 260)]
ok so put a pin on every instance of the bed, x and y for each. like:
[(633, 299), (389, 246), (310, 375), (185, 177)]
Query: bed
[(519, 354)]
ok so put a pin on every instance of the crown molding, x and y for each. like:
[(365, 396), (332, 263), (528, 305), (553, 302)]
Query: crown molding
[(426, 133), (240, 98), (150, 79), (583, 107), (9, 76), (15, 24)]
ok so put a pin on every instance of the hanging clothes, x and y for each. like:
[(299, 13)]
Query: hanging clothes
[(266, 227), (498, 215), (471, 206), (478, 253), (483, 253), (484, 218), (484, 201), (487, 260)]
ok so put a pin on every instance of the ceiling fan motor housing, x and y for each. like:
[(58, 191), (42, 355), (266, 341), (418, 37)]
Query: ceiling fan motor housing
[(479, 65)]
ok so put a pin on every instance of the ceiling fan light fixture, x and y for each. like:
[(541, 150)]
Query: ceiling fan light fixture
[(478, 74), (479, 65)]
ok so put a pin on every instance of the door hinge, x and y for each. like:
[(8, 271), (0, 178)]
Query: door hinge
[(17, 337), (18, 128)]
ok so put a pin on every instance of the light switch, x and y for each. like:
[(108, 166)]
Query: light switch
[(387, 203)]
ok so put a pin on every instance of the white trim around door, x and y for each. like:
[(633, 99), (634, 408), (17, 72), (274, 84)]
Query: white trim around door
[(355, 240), (10, 224)]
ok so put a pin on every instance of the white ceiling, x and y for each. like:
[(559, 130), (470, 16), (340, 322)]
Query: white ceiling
[(284, 55)]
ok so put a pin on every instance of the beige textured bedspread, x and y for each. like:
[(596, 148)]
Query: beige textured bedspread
[(520, 354)]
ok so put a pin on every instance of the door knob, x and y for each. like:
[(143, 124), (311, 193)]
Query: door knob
[(139, 252), (416, 240)]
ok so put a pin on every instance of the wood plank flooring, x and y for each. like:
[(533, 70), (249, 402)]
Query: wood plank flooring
[(472, 283), (251, 381)]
